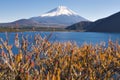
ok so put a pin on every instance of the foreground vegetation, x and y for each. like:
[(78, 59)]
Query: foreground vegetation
[(44, 60)]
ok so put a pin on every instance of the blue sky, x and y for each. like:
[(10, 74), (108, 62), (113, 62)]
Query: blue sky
[(11, 10)]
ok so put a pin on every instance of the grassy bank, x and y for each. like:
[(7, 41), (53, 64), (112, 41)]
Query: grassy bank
[(44, 60), (7, 29)]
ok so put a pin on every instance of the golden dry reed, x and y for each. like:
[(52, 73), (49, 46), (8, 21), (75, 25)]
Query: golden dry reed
[(44, 60)]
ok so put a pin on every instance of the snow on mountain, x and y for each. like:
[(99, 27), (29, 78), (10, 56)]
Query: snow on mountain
[(61, 10), (60, 15)]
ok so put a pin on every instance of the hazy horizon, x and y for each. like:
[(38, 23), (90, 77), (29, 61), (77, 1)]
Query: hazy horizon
[(92, 10)]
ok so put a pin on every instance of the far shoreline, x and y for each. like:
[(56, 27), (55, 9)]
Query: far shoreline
[(7, 29)]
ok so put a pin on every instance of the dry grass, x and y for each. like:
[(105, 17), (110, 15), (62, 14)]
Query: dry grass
[(59, 61)]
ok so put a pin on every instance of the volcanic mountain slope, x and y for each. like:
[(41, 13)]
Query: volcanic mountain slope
[(21, 22), (58, 17)]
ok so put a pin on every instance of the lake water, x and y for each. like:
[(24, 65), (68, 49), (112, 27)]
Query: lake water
[(78, 37)]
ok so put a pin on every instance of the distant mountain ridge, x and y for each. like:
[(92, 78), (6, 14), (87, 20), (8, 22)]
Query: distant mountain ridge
[(58, 17), (108, 24), (80, 26)]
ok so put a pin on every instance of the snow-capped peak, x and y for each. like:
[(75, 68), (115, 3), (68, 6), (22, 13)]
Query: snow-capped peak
[(60, 10)]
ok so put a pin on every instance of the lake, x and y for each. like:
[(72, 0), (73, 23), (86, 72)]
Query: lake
[(78, 37)]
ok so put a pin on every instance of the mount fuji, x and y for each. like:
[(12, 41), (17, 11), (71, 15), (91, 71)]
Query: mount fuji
[(59, 17)]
